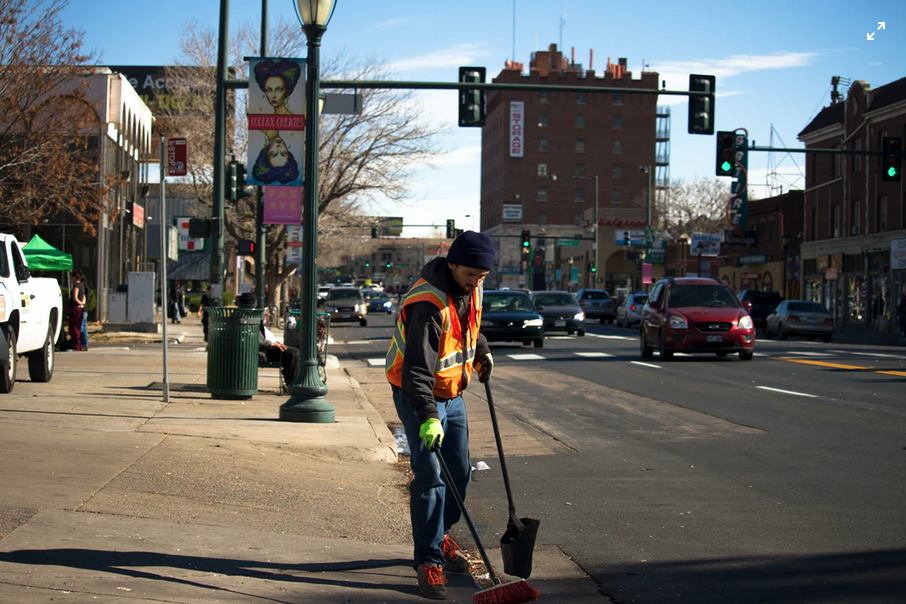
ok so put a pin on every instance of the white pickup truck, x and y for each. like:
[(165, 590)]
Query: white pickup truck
[(31, 316)]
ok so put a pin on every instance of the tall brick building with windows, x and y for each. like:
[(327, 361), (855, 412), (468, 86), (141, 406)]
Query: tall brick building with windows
[(854, 238), (541, 152)]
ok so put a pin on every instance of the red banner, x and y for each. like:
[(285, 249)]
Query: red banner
[(176, 157)]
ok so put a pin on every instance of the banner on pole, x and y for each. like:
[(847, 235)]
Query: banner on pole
[(282, 205), (276, 122)]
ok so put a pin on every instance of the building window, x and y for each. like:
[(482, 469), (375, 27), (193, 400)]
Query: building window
[(541, 194), (835, 225), (617, 98), (542, 120), (578, 218), (579, 194), (580, 170), (580, 145), (542, 169), (882, 214), (617, 147), (543, 96), (542, 217), (616, 196), (580, 121), (618, 122), (580, 98), (617, 171), (542, 144)]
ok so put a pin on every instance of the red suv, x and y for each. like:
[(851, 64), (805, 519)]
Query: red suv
[(695, 315)]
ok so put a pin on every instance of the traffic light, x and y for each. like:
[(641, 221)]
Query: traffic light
[(246, 248), (388, 265), (592, 267), (471, 102), (231, 175), (367, 264), (242, 189), (701, 107), (726, 154), (526, 240), (890, 161), (451, 229)]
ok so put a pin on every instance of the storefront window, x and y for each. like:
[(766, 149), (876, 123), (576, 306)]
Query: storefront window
[(856, 298), (813, 290)]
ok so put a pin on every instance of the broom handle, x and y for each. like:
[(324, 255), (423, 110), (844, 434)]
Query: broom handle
[(462, 508), (506, 478)]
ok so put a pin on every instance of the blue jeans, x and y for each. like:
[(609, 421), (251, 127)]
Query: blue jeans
[(84, 333), (433, 513)]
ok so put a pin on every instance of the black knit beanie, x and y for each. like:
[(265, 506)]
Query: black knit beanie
[(475, 250)]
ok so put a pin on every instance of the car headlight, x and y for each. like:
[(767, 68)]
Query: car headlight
[(745, 322), (533, 323), (388, 304), (678, 322), (359, 307), (580, 316)]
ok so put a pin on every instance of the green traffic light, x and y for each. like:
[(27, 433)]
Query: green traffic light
[(594, 270), (525, 244), (725, 166), (892, 171)]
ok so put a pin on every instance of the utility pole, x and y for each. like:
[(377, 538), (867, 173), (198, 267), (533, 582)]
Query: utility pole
[(219, 156)]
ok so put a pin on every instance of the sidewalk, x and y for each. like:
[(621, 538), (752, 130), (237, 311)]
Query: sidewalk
[(110, 494)]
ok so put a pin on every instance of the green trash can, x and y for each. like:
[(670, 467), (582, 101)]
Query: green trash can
[(233, 352)]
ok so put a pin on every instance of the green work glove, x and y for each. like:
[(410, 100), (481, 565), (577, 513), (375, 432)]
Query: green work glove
[(484, 366), (431, 433)]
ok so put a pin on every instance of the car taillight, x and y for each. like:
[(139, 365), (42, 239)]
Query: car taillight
[(581, 302), (828, 321), (792, 319), (632, 307)]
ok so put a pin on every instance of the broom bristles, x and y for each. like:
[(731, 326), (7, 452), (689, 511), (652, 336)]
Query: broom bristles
[(507, 593)]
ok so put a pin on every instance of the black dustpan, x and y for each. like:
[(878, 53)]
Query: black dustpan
[(518, 542)]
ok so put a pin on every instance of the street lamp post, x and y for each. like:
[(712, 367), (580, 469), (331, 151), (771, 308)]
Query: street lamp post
[(306, 402), (785, 240), (647, 171), (700, 248)]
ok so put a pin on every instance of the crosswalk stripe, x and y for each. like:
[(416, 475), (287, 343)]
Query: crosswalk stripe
[(645, 364), (606, 337), (592, 355), (786, 391), (806, 353), (526, 357), (375, 362), (558, 337)]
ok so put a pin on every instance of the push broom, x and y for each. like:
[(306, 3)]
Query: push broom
[(516, 592)]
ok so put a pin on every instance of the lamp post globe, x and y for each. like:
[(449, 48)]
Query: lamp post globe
[(306, 402)]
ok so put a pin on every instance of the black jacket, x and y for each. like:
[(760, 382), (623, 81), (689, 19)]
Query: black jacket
[(423, 330)]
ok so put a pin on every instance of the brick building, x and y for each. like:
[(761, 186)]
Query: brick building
[(543, 152), (854, 236)]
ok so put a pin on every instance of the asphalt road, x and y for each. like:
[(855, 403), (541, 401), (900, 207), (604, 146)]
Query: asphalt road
[(781, 479)]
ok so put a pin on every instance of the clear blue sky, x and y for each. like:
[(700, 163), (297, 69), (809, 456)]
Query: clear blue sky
[(773, 61)]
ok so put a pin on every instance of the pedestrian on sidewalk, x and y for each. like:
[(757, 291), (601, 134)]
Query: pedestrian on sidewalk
[(269, 349), (86, 292), (77, 300), (203, 310), (901, 311), (177, 301), (429, 364)]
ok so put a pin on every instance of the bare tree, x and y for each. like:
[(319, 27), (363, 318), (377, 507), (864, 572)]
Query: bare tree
[(49, 156), (361, 156), (699, 206)]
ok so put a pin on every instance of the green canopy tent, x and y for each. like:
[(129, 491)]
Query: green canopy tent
[(41, 256)]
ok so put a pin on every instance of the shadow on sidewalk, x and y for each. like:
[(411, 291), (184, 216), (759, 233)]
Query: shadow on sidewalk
[(129, 564)]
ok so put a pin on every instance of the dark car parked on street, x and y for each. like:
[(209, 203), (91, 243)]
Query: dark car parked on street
[(509, 316), (692, 314), (560, 310), (763, 303), (597, 304)]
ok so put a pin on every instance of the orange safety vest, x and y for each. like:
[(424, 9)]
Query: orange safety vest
[(448, 371)]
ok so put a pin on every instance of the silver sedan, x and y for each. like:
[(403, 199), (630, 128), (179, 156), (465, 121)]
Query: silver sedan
[(800, 317)]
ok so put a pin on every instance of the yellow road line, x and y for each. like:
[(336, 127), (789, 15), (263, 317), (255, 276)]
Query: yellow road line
[(838, 365)]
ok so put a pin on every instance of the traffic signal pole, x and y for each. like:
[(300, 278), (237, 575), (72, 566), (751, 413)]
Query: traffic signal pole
[(216, 239)]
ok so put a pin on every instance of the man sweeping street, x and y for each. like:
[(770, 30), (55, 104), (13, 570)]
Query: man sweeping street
[(430, 362)]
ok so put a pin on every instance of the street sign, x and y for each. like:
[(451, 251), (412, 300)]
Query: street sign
[(512, 212), (738, 188), (710, 244), (567, 243), (176, 157)]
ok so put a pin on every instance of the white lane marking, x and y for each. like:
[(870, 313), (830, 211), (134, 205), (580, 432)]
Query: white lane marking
[(592, 355), (645, 364), (811, 354), (526, 357), (597, 335), (787, 391), (375, 362), (359, 342), (872, 354), (559, 337), (760, 354)]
